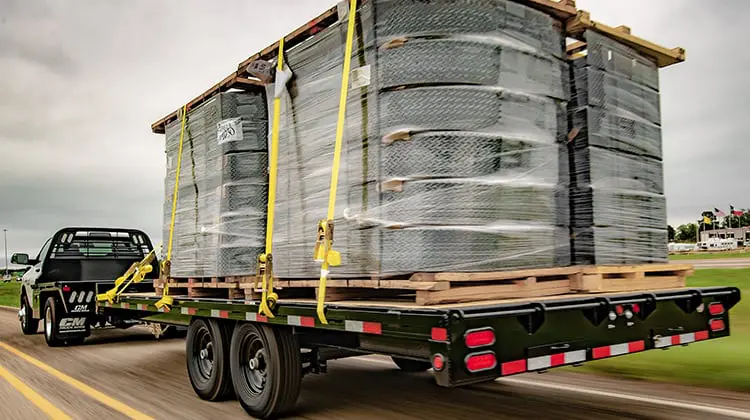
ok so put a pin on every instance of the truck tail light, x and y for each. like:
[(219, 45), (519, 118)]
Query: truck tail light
[(479, 338), (717, 324), (716, 308), (66, 289), (479, 362)]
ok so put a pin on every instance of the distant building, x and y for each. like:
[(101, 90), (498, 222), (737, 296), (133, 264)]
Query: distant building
[(740, 235)]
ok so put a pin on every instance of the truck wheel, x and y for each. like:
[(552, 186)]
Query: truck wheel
[(411, 366), (266, 369), (29, 325), (51, 334), (207, 351)]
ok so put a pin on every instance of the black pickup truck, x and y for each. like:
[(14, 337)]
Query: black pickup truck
[(73, 266)]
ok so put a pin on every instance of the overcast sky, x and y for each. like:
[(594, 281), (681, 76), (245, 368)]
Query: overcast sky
[(81, 82)]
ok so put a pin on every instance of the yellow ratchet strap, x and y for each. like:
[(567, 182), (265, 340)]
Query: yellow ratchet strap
[(135, 274), (324, 252), (166, 300), (265, 260)]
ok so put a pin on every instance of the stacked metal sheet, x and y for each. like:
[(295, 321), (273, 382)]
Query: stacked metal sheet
[(618, 203), (452, 157), (220, 214)]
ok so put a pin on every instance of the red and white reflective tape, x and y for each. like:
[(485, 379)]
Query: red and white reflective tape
[(617, 349), (107, 304), (142, 307), (188, 311), (363, 327), (300, 321), (125, 305), (216, 313), (676, 340), (255, 317), (559, 359)]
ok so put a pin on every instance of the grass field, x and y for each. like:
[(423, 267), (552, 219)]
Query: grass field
[(721, 363), (9, 293), (709, 256)]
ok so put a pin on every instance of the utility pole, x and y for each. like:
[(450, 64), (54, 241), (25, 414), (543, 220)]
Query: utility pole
[(5, 236)]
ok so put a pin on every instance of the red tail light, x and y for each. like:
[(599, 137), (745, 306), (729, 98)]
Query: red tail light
[(479, 362), (636, 308), (717, 324), (619, 309), (439, 334), (438, 362), (716, 308), (479, 338), (66, 289)]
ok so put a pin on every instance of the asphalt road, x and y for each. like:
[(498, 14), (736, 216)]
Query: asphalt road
[(717, 263), (128, 374)]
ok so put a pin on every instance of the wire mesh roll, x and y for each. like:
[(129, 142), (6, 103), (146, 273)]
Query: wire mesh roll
[(615, 58), (607, 169), (618, 208), (594, 87), (612, 130), (618, 246)]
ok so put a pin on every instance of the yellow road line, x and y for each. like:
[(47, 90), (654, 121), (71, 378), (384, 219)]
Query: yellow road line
[(91, 392), (50, 410)]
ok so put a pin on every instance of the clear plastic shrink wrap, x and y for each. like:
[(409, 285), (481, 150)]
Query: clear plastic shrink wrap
[(617, 198), (453, 156)]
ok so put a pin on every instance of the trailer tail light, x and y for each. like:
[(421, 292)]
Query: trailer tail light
[(717, 324), (479, 338), (438, 362), (479, 362), (619, 309), (439, 334), (636, 308), (716, 308)]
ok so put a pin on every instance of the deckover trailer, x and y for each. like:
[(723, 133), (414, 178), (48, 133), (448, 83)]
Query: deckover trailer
[(232, 349)]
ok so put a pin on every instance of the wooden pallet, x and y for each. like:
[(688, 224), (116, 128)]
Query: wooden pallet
[(450, 287), (629, 278)]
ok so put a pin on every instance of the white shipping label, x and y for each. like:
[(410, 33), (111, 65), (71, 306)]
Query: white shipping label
[(360, 77), (229, 130)]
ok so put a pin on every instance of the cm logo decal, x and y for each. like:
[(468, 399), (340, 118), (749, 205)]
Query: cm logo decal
[(72, 324)]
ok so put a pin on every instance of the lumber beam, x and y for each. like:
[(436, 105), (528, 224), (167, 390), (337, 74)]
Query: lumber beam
[(663, 56)]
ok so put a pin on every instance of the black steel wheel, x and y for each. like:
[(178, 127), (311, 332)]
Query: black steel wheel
[(51, 327), (29, 325), (266, 369), (411, 366), (206, 351)]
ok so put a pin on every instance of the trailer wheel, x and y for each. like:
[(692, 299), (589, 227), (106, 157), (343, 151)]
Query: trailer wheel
[(29, 325), (51, 335), (266, 369), (206, 352), (411, 366)]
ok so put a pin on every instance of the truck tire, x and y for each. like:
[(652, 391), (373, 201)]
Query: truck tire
[(266, 369), (51, 327), (29, 325), (207, 353), (411, 366)]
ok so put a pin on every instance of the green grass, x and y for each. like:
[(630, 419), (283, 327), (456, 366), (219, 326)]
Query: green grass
[(721, 363), (709, 256), (9, 293)]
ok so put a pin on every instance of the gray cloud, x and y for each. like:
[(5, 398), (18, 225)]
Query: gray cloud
[(82, 81)]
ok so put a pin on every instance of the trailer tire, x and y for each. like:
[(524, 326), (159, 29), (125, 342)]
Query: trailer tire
[(266, 369), (411, 366), (206, 352), (51, 327), (29, 325)]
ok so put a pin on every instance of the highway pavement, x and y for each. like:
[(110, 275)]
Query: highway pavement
[(129, 374)]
